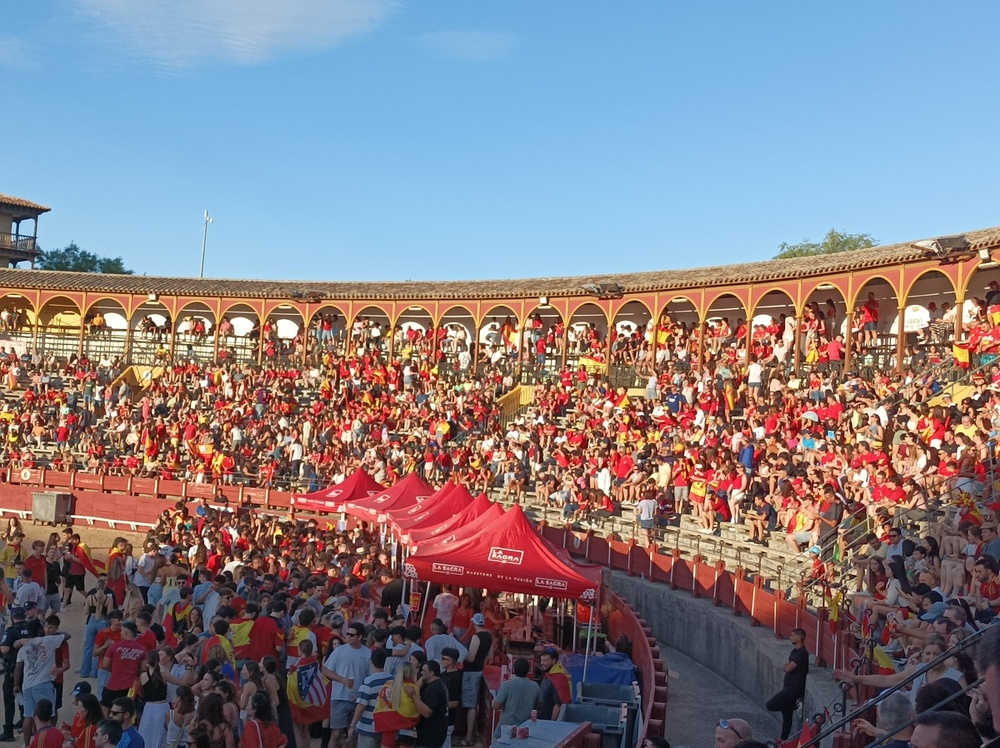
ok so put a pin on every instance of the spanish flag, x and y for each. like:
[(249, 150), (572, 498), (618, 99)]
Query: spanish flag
[(883, 660), (307, 692), (175, 622), (296, 636), (592, 364), (960, 351), (866, 626), (240, 631), (82, 554), (836, 604)]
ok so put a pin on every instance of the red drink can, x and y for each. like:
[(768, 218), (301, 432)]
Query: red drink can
[(534, 715), (522, 733)]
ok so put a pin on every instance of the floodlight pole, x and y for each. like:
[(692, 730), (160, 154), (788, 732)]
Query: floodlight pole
[(204, 243)]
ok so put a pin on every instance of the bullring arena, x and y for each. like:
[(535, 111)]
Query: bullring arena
[(573, 400)]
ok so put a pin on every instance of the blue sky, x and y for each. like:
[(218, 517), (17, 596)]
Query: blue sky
[(399, 140)]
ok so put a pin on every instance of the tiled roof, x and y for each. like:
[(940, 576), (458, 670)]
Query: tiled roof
[(657, 280), (20, 202)]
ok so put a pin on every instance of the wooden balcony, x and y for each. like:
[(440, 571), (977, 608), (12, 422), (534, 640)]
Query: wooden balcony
[(15, 248)]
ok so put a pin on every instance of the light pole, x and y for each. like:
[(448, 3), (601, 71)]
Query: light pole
[(204, 241)]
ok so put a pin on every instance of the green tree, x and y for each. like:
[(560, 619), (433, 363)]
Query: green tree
[(79, 260), (834, 241)]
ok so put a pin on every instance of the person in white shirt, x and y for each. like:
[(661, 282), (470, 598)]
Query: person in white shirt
[(445, 604), (439, 640), (29, 591), (645, 512)]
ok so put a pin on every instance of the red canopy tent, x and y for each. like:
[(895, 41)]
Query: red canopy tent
[(410, 491), (399, 512), (460, 532), (433, 511), (356, 486), (429, 531), (506, 554)]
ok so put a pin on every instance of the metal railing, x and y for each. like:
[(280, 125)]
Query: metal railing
[(870, 645)]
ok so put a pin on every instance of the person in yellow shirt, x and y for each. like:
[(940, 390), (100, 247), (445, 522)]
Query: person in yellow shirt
[(12, 553)]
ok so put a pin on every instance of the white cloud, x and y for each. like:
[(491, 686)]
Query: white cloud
[(468, 45), (15, 53), (181, 34)]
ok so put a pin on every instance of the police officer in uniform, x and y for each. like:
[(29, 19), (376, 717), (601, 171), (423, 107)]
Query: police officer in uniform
[(20, 628)]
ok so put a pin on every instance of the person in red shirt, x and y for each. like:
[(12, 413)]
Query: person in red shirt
[(988, 589), (267, 636), (146, 637), (47, 735), (122, 660), (36, 563)]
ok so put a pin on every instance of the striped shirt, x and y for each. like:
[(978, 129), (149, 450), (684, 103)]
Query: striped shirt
[(368, 695)]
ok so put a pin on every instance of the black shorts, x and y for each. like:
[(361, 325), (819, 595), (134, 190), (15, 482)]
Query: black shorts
[(109, 696), (75, 581)]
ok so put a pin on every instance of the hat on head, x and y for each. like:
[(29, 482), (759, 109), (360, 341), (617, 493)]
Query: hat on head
[(934, 612), (30, 605), (815, 549), (479, 619), (81, 688)]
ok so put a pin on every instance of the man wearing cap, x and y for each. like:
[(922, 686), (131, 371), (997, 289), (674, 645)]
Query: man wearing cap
[(472, 673), (19, 630), (794, 685), (556, 688)]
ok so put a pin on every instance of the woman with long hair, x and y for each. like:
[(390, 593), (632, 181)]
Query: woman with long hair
[(274, 685), (261, 729), (196, 622), (395, 710), (132, 602), (13, 528), (84, 725), (253, 683), (154, 694), (211, 717), (231, 707), (180, 718)]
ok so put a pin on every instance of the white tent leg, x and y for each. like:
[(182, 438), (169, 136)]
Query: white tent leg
[(427, 597)]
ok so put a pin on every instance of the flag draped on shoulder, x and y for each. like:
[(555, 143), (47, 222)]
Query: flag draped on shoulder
[(307, 690), (82, 554)]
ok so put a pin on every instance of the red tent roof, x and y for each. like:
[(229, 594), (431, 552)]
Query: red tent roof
[(397, 513), (357, 485), (430, 531), (433, 511), (506, 554), (460, 532), (408, 492)]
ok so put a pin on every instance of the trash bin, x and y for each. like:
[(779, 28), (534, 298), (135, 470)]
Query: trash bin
[(606, 721), (613, 695), (49, 507)]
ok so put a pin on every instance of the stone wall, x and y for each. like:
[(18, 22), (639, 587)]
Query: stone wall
[(750, 658)]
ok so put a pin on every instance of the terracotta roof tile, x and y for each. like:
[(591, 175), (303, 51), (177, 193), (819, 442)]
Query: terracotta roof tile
[(662, 280), (20, 202)]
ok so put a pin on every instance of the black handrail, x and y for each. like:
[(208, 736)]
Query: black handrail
[(943, 703), (875, 700)]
